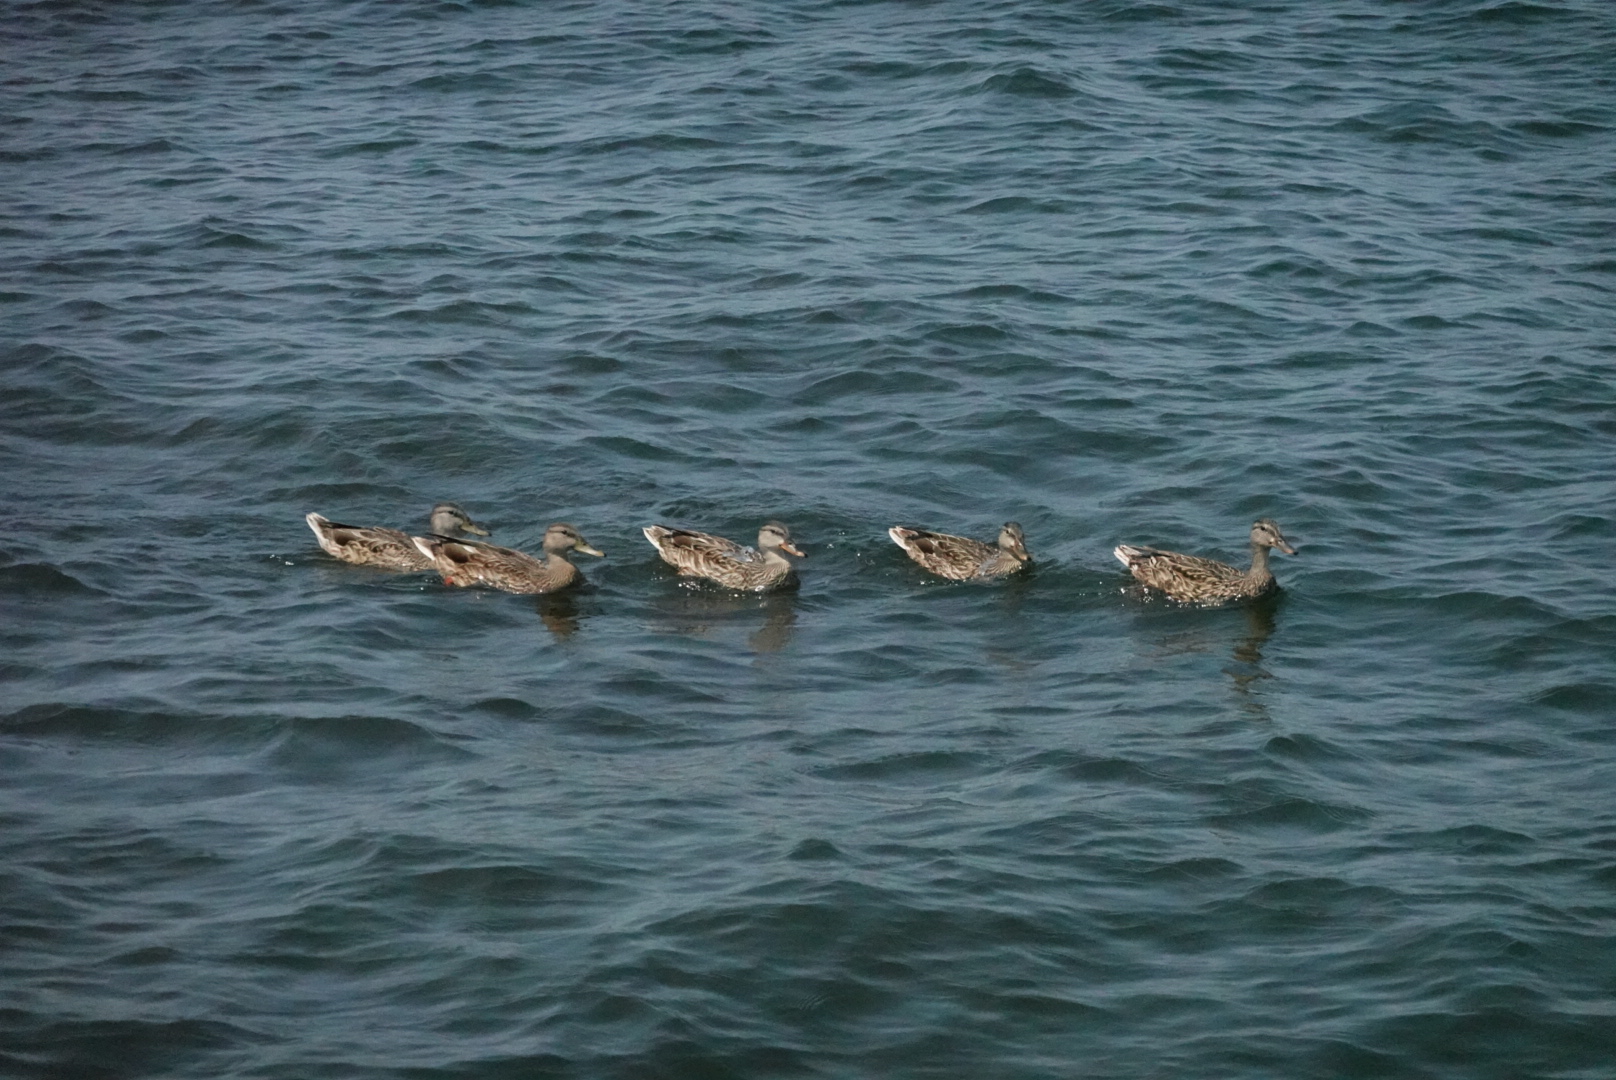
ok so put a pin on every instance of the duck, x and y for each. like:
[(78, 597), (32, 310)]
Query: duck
[(960, 558), (468, 562), (1194, 580), (699, 554), (388, 549)]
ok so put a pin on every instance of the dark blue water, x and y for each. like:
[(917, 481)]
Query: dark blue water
[(1121, 271)]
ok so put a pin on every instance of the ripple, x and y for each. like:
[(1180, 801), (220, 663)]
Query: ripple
[(41, 581), (1124, 270)]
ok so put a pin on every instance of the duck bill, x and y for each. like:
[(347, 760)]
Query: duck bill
[(794, 549), (473, 527), (587, 550), (1286, 548)]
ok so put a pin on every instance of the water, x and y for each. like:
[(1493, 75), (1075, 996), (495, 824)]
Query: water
[(1122, 271)]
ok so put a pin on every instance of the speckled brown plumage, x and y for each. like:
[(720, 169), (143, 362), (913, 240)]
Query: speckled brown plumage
[(388, 549), (732, 565), (960, 558), (464, 562), (1194, 580)]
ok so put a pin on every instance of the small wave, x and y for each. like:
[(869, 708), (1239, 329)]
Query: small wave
[(1588, 698), (112, 95), (1559, 129), (722, 41), (1286, 813), (1422, 123), (1010, 292), (1026, 82), (1133, 11), (968, 333), (317, 748), (640, 449), (1476, 841), (213, 238), (458, 82), (462, 311), (150, 146), (1196, 871), (1434, 322), (1108, 770), (481, 887), (660, 142), (1018, 204), (41, 581), (24, 157), (904, 70), (923, 766), (507, 708), (368, 147), (1518, 14), (1307, 748), (1183, 59), (55, 720), (105, 1048), (86, 309), (815, 850), (1490, 607), (853, 384), (1304, 901)]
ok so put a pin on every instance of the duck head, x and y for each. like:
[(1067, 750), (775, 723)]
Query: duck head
[(1265, 533), (776, 536), (447, 519), (562, 537)]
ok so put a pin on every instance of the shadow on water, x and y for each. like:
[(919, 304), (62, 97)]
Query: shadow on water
[(699, 612)]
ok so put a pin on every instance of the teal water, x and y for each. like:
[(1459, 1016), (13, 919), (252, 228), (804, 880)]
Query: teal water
[(1121, 271)]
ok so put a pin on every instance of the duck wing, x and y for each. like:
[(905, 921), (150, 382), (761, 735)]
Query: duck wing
[(958, 558), (466, 562), (690, 551), (367, 545), (1189, 578)]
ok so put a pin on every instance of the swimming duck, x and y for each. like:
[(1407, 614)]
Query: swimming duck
[(466, 562), (961, 558), (732, 565), (1195, 580), (388, 549)]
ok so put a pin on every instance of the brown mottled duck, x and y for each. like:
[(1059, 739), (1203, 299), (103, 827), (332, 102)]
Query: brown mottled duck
[(388, 549), (1194, 580), (466, 562), (960, 558), (732, 565)]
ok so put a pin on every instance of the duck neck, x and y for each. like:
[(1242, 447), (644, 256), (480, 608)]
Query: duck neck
[(1259, 563)]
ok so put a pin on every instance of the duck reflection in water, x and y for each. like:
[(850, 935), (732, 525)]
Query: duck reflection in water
[(559, 612), (1211, 634), (1008, 646), (699, 612), (1247, 668)]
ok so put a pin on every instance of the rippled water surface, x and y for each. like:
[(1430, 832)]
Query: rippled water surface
[(1122, 271)]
